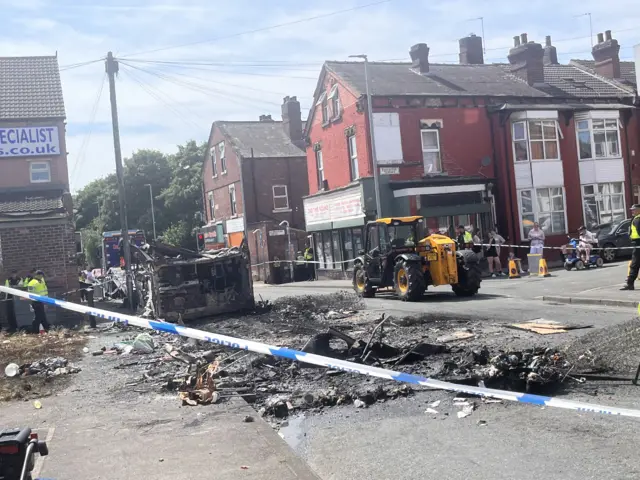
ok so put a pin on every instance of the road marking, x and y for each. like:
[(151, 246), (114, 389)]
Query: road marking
[(40, 460)]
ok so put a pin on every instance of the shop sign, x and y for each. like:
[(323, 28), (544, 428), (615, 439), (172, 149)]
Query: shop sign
[(235, 225), (328, 208), (276, 233), (389, 170), (29, 141)]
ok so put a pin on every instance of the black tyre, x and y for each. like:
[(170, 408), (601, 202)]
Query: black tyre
[(361, 283), (469, 275), (609, 253), (408, 281), (580, 265), (599, 262), (568, 266)]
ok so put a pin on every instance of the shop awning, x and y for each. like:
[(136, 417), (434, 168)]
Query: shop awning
[(439, 189)]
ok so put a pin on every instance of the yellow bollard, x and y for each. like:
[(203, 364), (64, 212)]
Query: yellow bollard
[(543, 271), (514, 268)]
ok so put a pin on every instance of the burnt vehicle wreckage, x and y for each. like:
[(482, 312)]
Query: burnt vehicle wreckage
[(175, 284)]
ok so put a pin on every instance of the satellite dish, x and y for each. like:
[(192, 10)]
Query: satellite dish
[(486, 161)]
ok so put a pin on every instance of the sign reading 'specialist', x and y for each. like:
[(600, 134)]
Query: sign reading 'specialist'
[(29, 141)]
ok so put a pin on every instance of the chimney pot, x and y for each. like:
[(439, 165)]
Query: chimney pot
[(600, 38), (523, 38), (516, 41), (420, 57), (547, 41), (606, 54), (550, 52), (607, 35)]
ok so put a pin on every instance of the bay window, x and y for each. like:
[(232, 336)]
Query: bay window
[(535, 140), (603, 203), (545, 206), (598, 138)]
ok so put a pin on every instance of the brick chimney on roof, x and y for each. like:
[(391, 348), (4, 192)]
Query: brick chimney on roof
[(606, 54), (292, 120), (526, 59), (471, 50), (550, 52), (420, 57)]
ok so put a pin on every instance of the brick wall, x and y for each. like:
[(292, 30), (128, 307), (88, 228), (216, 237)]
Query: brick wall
[(49, 248)]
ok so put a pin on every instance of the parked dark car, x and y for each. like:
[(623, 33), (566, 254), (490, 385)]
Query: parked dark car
[(612, 236)]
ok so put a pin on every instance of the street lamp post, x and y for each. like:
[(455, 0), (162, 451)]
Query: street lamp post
[(153, 213), (285, 222), (374, 159)]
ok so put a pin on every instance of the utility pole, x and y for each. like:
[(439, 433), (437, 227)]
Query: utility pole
[(111, 66), (374, 158), (153, 213)]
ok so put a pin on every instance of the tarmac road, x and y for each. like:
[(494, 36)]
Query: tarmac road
[(397, 440)]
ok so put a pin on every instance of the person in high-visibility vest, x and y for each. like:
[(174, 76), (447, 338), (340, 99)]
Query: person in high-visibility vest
[(14, 281), (38, 286), (308, 257), (465, 239), (634, 235), (28, 277)]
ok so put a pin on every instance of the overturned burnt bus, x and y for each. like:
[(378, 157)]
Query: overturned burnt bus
[(177, 284)]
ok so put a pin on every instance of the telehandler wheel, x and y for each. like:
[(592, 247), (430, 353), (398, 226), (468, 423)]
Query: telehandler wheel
[(408, 281), (361, 283), (469, 279)]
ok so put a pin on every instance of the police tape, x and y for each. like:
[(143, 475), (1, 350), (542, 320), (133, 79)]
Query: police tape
[(566, 247), (327, 362)]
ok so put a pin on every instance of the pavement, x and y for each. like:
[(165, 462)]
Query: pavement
[(99, 429), (596, 286)]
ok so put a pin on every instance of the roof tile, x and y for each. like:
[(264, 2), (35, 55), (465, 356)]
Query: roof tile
[(30, 87), (260, 139)]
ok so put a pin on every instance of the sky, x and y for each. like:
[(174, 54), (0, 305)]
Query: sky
[(187, 63)]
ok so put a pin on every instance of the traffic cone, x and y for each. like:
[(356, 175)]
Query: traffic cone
[(42, 331), (543, 271), (514, 271)]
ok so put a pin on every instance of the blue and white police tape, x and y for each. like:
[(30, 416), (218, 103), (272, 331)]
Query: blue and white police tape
[(322, 361)]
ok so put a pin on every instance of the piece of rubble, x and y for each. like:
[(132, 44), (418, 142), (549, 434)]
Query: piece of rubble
[(431, 410), (143, 343), (466, 410), (248, 419), (435, 404), (359, 403), (11, 370), (455, 336)]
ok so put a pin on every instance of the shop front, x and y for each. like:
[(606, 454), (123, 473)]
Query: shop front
[(336, 220)]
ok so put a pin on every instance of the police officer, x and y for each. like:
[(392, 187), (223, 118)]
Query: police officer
[(28, 277), (308, 258), (634, 234), (465, 239), (14, 281), (38, 286)]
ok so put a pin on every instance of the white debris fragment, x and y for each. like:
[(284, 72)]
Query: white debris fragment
[(435, 404), (431, 410)]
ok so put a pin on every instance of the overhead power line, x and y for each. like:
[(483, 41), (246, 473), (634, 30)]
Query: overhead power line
[(80, 64), (262, 29)]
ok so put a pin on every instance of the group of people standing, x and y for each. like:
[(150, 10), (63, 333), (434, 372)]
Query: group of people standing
[(33, 282)]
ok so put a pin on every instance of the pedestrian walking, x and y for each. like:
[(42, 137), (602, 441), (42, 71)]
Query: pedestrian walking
[(493, 253), (14, 281), (536, 237), (38, 286), (634, 235)]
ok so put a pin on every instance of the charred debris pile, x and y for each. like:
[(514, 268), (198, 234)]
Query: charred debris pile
[(437, 346)]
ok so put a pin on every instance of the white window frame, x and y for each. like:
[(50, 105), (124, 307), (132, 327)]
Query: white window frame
[(536, 213), (285, 196), (214, 162), (352, 149), (223, 159), (438, 168), (607, 121), (335, 101), (212, 207), (596, 194), (320, 169), (40, 163), (232, 200), (636, 193), (528, 141)]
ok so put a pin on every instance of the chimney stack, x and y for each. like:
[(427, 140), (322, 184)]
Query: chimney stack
[(420, 57), (606, 54), (266, 118), (292, 120), (526, 59), (550, 52), (471, 50)]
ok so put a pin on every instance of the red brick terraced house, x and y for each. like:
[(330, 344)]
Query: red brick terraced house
[(254, 178), (475, 144), (36, 224)]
